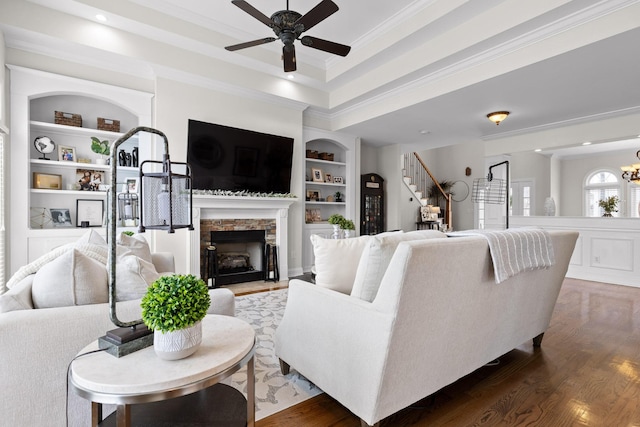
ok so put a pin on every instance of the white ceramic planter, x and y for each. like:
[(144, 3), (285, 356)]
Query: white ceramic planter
[(177, 344)]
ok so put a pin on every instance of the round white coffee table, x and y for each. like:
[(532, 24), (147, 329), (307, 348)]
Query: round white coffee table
[(228, 344)]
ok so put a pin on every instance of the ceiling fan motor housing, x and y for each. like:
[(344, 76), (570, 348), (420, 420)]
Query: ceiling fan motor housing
[(285, 20)]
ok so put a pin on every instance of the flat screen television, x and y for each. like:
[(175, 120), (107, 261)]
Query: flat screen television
[(227, 158)]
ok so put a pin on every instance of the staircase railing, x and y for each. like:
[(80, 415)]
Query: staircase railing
[(419, 175)]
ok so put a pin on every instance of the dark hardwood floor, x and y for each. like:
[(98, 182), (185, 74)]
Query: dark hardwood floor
[(587, 373)]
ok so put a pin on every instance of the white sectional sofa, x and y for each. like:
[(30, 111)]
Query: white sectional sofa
[(418, 314), (38, 344)]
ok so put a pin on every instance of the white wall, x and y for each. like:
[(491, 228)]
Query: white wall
[(4, 102), (176, 103)]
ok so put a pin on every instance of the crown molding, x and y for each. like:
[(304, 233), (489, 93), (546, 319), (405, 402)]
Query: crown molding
[(207, 83), (542, 33)]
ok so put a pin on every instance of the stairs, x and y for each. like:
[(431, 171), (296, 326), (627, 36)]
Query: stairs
[(417, 192), (419, 179)]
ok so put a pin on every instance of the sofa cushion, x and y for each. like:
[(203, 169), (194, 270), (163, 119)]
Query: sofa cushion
[(71, 279), (136, 244), (375, 259), (133, 276), (18, 297), (336, 261)]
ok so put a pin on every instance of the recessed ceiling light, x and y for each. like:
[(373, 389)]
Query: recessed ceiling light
[(101, 18), (586, 143), (425, 132), (537, 150)]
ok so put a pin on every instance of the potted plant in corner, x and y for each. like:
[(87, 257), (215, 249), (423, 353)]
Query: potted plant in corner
[(336, 221), (100, 147), (173, 308), (610, 204)]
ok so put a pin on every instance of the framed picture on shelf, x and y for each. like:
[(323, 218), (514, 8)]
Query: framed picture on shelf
[(91, 211), (313, 195), (47, 181), (328, 177), (337, 180), (60, 217), (312, 215), (66, 153), (89, 180), (131, 184), (317, 175)]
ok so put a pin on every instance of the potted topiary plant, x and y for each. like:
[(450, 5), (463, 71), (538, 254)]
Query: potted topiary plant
[(347, 226), (173, 308), (100, 147), (338, 196), (336, 220), (609, 205)]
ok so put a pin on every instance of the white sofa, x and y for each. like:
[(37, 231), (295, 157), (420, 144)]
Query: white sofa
[(38, 344), (437, 316)]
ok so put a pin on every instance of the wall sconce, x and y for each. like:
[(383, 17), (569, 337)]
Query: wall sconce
[(497, 116)]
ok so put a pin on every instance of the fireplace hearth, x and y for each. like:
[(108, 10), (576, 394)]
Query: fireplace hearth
[(236, 257)]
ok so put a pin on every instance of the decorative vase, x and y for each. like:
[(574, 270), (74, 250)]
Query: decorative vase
[(101, 161), (336, 231), (347, 234), (607, 214), (178, 344)]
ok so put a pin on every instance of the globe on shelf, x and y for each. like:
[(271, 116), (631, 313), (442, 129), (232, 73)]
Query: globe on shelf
[(44, 145)]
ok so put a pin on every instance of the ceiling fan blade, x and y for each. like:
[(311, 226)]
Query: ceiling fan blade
[(323, 10), (325, 45), (289, 58), (250, 44), (253, 12)]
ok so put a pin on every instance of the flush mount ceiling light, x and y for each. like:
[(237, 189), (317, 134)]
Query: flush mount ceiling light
[(498, 116)]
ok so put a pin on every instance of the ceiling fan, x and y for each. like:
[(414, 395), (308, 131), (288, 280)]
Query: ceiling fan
[(288, 26)]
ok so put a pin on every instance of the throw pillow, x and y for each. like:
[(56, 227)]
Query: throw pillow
[(92, 237), (336, 261), (71, 279), (18, 297), (133, 276), (136, 244), (376, 257)]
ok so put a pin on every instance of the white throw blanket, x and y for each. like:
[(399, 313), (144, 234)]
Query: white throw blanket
[(516, 250)]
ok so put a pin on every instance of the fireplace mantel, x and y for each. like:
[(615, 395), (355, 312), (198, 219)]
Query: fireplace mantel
[(230, 202), (229, 207)]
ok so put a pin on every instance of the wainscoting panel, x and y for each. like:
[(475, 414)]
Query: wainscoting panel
[(612, 253), (608, 249)]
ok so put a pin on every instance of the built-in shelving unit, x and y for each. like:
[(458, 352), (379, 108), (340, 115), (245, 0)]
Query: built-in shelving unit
[(35, 96), (317, 211)]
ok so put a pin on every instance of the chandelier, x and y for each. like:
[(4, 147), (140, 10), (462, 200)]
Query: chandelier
[(632, 173)]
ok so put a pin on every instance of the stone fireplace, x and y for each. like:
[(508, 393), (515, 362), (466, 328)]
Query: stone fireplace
[(222, 213), (243, 239)]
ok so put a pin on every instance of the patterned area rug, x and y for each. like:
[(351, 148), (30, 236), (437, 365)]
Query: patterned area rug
[(274, 392)]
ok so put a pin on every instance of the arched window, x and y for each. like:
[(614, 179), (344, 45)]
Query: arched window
[(600, 185)]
